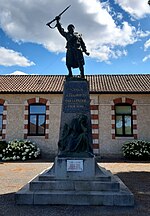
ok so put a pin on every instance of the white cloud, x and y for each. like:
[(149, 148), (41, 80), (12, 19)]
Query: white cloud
[(104, 53), (27, 22), (18, 73), (63, 59), (11, 58), (136, 8), (147, 45), (146, 58)]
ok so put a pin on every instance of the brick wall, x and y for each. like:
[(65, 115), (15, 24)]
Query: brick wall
[(4, 119), (95, 127)]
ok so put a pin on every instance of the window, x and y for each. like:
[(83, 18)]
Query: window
[(1, 119), (123, 123), (37, 119)]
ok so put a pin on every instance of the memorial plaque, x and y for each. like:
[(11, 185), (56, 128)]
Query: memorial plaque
[(74, 165)]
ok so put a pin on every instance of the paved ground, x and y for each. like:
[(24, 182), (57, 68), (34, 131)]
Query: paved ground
[(15, 175)]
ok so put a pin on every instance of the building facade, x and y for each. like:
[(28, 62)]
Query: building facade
[(30, 108)]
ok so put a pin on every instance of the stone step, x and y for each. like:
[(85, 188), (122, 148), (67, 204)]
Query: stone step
[(56, 187), (121, 198), (62, 185), (46, 177), (103, 178), (49, 177)]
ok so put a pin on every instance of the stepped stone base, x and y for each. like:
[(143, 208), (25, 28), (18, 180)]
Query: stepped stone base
[(92, 186)]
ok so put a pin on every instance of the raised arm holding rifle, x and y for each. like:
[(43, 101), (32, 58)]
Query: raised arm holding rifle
[(75, 47)]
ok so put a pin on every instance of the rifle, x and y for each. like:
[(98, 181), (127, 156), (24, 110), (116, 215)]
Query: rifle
[(49, 23)]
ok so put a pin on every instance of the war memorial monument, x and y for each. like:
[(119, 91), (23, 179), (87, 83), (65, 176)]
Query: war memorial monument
[(75, 177)]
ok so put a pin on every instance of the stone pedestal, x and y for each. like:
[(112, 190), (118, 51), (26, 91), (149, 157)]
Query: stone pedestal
[(75, 139), (75, 178), (92, 185)]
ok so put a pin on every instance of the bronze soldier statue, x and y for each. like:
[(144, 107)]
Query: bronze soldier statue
[(75, 47)]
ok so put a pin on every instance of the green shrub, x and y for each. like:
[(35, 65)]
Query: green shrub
[(3, 145), (136, 150), (20, 150)]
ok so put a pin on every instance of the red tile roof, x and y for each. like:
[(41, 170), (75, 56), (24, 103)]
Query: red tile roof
[(54, 83)]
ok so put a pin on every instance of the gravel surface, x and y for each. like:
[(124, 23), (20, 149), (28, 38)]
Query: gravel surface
[(15, 175)]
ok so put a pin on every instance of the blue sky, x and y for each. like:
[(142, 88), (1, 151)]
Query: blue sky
[(116, 33)]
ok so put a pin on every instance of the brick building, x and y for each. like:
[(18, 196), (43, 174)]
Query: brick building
[(30, 108)]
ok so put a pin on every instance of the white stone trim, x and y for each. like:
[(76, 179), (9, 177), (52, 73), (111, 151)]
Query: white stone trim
[(4, 122), (47, 112), (47, 131), (37, 99), (96, 151), (5, 112), (134, 122), (94, 112), (123, 99), (47, 121), (25, 122), (25, 131), (112, 131), (35, 137), (94, 121), (124, 138), (134, 112), (95, 141), (112, 121), (112, 112), (135, 131), (5, 103), (47, 103), (3, 131), (95, 131), (26, 112)]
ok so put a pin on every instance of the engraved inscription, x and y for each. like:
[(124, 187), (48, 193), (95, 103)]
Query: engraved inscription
[(76, 98), (74, 165)]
